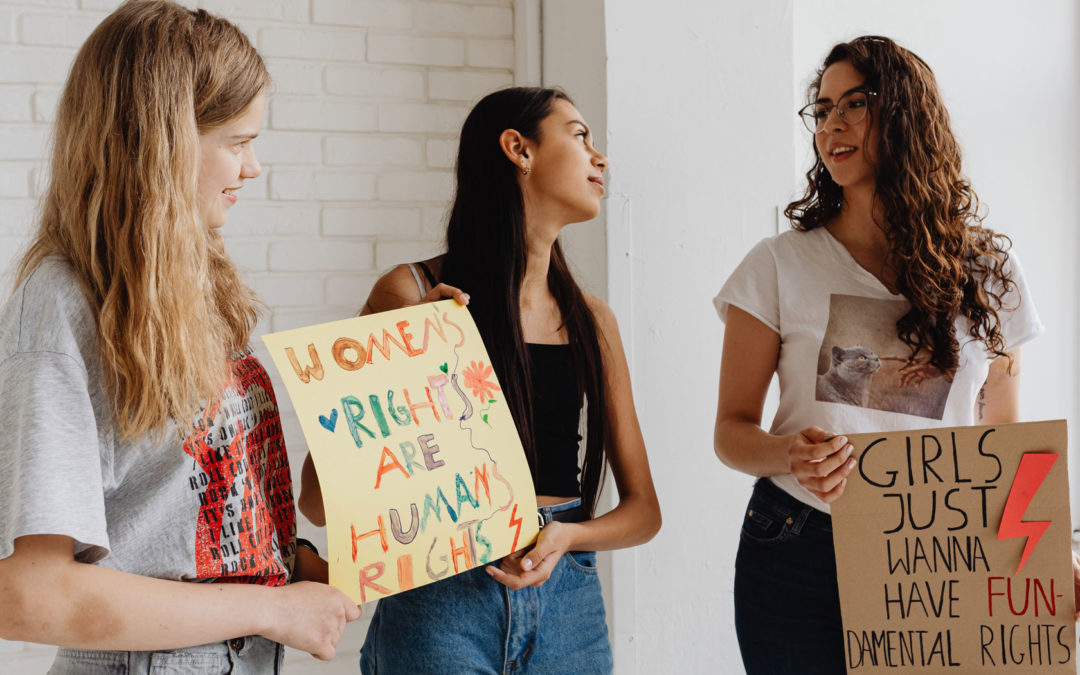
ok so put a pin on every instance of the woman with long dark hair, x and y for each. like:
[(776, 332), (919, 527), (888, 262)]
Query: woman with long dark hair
[(890, 306), (526, 168), (128, 470)]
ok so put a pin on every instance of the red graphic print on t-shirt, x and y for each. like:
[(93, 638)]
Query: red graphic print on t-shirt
[(241, 472)]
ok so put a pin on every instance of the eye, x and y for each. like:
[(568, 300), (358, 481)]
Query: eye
[(584, 136), (820, 113)]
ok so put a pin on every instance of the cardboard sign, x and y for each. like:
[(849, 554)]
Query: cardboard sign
[(953, 551), (422, 472)]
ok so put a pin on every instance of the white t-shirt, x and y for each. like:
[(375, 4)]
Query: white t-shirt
[(839, 350)]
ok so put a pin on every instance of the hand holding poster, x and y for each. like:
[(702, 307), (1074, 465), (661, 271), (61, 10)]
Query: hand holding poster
[(952, 551), (422, 472)]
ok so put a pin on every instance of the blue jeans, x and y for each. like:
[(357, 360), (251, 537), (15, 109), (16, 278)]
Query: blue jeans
[(787, 604), (252, 655), (470, 623)]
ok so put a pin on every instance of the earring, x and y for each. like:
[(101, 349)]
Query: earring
[(525, 170)]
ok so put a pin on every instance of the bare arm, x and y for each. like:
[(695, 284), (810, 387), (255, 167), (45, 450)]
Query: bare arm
[(817, 459), (394, 290), (636, 519), (998, 401), (48, 597)]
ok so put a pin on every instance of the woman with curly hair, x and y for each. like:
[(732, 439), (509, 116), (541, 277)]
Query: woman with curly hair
[(148, 522), (889, 306)]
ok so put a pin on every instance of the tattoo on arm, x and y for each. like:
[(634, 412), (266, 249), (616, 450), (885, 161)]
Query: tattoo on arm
[(982, 400)]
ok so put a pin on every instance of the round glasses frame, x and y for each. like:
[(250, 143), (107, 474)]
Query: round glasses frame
[(815, 121)]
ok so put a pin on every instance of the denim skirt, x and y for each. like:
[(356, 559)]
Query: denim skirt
[(470, 623), (787, 603), (252, 655)]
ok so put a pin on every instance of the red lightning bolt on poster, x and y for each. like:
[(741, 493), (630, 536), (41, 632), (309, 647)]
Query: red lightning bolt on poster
[(515, 522), (1034, 466)]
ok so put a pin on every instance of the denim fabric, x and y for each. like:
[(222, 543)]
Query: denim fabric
[(787, 604), (470, 623), (243, 656)]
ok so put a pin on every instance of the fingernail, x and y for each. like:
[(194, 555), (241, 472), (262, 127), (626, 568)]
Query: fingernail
[(849, 449), (843, 440), (850, 465), (491, 572), (843, 482), (526, 564)]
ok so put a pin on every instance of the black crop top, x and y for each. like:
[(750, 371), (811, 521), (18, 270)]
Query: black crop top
[(556, 411)]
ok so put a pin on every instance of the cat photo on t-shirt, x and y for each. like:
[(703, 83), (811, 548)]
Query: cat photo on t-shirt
[(863, 363)]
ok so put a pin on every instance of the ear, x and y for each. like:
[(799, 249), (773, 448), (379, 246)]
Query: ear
[(837, 354), (516, 148)]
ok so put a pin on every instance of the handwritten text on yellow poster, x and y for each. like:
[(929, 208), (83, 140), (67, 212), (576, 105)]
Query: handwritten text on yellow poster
[(423, 475)]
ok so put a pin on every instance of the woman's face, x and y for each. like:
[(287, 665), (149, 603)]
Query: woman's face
[(227, 158), (849, 151), (566, 173)]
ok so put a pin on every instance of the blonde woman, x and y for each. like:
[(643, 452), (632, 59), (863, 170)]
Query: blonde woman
[(142, 446)]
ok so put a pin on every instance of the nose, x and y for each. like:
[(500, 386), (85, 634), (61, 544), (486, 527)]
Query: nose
[(833, 120), (601, 161), (250, 167)]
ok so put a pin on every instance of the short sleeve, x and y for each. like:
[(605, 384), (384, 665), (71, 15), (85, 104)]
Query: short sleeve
[(753, 287), (1019, 318), (50, 458)]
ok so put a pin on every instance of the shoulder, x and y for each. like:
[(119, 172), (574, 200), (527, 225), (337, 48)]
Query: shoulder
[(800, 243), (48, 312), (605, 318), (395, 289)]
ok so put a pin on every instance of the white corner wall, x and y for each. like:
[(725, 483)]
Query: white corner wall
[(699, 108)]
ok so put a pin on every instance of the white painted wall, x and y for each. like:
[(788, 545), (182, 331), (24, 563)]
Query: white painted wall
[(699, 109), (357, 152), (705, 145)]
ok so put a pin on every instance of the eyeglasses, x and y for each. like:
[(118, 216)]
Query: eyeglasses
[(851, 108)]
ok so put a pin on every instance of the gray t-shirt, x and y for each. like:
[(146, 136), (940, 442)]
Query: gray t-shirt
[(209, 502)]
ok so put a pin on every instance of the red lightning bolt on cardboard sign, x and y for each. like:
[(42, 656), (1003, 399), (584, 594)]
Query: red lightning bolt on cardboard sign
[(1034, 466), (515, 521)]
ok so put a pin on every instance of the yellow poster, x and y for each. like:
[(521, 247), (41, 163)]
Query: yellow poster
[(422, 472)]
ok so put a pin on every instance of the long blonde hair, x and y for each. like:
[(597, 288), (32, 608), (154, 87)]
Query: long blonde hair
[(121, 205)]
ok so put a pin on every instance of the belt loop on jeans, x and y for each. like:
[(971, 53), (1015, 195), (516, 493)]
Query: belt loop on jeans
[(800, 520)]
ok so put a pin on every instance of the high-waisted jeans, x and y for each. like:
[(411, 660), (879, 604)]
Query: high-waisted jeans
[(252, 655), (470, 623), (787, 604)]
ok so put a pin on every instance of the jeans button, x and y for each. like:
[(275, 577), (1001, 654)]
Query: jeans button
[(236, 644)]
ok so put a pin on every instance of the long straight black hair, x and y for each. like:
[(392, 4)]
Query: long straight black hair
[(485, 255)]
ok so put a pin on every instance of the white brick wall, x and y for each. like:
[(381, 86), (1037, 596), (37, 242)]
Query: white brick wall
[(357, 153)]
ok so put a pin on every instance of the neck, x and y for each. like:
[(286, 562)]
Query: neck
[(541, 230), (859, 223)]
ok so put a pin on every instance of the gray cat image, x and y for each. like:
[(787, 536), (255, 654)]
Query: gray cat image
[(848, 378)]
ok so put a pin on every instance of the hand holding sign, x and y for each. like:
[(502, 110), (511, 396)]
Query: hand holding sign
[(422, 473)]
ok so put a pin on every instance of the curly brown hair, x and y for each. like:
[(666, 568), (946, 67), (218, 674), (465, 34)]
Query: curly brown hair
[(946, 263)]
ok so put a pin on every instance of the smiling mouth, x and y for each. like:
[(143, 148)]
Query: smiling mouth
[(842, 151)]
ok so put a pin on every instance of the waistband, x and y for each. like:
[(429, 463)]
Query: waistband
[(807, 515), (567, 512)]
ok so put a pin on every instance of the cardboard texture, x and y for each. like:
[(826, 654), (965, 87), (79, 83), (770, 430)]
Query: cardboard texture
[(953, 551), (422, 472)]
